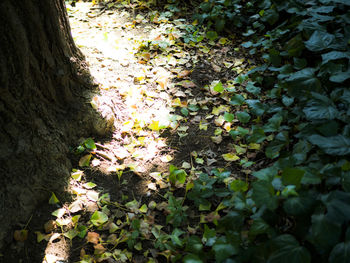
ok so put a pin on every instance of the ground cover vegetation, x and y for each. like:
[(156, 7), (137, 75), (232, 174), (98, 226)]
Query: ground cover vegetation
[(264, 86)]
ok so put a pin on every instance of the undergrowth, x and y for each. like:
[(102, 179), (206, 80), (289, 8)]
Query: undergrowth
[(294, 108)]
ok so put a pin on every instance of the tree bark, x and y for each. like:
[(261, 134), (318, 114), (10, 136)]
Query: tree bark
[(44, 90)]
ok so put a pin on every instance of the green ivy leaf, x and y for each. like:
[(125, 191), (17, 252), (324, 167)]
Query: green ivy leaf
[(239, 186), (191, 258), (209, 236), (229, 117), (264, 194), (334, 55), (252, 89), (259, 226), (340, 76), (292, 176), (53, 199), (334, 145), (243, 116), (98, 218), (340, 253), (319, 41), (90, 144), (212, 35), (193, 107), (304, 78), (338, 206), (237, 100), (223, 249), (219, 87), (71, 233), (273, 149), (175, 237), (320, 108), (177, 175), (184, 111), (289, 251), (324, 233), (257, 108), (298, 205), (194, 244)]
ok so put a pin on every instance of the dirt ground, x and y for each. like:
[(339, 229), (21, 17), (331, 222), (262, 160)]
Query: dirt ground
[(142, 88)]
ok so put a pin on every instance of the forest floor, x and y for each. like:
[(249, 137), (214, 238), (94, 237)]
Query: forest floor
[(167, 89)]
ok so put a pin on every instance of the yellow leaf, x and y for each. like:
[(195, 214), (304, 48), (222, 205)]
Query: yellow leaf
[(230, 157), (217, 110), (85, 160), (154, 126), (203, 126), (176, 102), (254, 146), (223, 40), (166, 158), (162, 81), (77, 175)]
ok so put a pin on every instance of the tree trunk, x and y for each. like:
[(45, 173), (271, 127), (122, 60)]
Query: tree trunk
[(45, 87)]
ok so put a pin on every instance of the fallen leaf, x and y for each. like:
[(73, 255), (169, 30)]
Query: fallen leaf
[(216, 68), (230, 157), (99, 249), (152, 186), (184, 74), (95, 162), (75, 206), (93, 237), (216, 139), (85, 160), (20, 235), (187, 84), (121, 153), (166, 158), (143, 208), (49, 226), (77, 175), (92, 195)]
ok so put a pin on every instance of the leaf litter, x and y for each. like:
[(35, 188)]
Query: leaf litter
[(169, 100)]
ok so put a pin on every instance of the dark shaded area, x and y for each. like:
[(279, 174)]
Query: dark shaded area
[(45, 89)]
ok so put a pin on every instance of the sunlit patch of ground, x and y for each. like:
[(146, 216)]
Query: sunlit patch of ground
[(132, 95)]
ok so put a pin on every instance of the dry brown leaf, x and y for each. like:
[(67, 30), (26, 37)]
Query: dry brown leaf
[(216, 68), (184, 74), (82, 253), (93, 237), (50, 226), (187, 84), (99, 249)]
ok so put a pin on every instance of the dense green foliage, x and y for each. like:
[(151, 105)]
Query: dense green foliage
[(298, 209)]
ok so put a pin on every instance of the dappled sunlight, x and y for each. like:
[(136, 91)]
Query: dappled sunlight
[(147, 95), (214, 134)]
